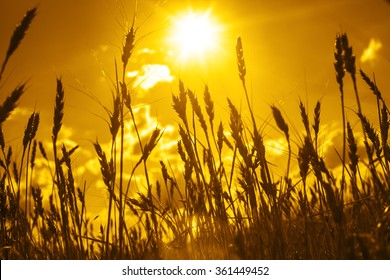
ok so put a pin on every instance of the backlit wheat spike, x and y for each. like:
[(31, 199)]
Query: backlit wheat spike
[(126, 95), (129, 45), (385, 125), (304, 157), (105, 166), (180, 151), (33, 154), (317, 118), (349, 57), (31, 129), (335, 209), (236, 124), (68, 153), (371, 84), (304, 117), (42, 150), (259, 145), (156, 136), (18, 35), (352, 147), (220, 137), (371, 133), (81, 195), (181, 87), (164, 172), (186, 140), (38, 204), (209, 105), (339, 63), (8, 157), (15, 172), (69, 179), (198, 111), (58, 109), (281, 123), (240, 60), (180, 102), (115, 118), (10, 103)]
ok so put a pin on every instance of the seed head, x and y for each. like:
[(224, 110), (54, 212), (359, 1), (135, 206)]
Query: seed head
[(240, 60)]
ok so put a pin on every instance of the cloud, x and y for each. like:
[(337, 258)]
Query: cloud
[(150, 75), (277, 147), (370, 53), (20, 113), (146, 51)]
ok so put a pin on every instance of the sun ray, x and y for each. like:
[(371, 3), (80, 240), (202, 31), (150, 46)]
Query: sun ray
[(195, 34)]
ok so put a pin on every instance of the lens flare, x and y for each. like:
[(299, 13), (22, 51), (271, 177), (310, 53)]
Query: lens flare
[(195, 34)]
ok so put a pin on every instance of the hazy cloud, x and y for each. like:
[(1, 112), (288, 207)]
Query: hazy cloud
[(371, 52), (20, 112), (151, 74)]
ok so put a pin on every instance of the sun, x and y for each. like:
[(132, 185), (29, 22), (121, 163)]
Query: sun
[(195, 34)]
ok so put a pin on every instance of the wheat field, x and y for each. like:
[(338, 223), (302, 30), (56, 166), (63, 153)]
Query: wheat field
[(225, 203)]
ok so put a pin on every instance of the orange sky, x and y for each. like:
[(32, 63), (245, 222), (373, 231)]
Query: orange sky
[(288, 47)]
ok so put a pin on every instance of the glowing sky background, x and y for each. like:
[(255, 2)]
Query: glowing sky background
[(288, 48)]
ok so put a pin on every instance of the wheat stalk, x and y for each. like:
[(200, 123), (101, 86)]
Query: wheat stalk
[(339, 66), (29, 135)]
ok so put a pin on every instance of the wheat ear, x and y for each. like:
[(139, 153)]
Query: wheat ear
[(18, 35)]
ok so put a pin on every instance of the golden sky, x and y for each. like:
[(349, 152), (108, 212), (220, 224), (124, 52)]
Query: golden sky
[(288, 48)]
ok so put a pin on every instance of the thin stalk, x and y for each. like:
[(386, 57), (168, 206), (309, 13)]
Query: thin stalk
[(110, 191), (122, 129), (344, 142)]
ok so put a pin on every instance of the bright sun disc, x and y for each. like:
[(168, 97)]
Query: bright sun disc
[(195, 34)]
